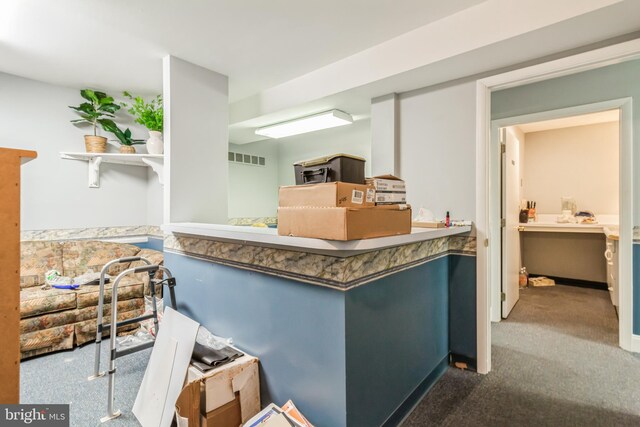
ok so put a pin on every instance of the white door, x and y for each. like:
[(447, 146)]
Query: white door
[(510, 212)]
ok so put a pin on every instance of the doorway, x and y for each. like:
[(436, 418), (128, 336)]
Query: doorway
[(560, 212), (624, 270)]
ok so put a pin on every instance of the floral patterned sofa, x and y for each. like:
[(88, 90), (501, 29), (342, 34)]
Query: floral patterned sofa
[(57, 319)]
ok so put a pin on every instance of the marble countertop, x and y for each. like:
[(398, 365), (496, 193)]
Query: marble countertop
[(269, 237)]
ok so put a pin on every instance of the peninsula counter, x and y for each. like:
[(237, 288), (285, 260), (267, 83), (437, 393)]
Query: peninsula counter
[(354, 332)]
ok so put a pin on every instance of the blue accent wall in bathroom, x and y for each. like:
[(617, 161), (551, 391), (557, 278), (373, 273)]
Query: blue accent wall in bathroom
[(397, 334)]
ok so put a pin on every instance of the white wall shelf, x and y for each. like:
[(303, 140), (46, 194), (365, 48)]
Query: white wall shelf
[(154, 161)]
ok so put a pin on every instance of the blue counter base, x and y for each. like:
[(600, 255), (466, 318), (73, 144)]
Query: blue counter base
[(364, 356), (416, 396)]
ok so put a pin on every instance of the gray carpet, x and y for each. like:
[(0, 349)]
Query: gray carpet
[(555, 363), (62, 378)]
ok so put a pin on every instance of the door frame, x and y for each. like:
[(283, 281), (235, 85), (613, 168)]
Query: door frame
[(488, 223)]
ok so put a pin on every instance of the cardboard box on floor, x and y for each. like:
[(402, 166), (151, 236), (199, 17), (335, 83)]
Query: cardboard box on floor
[(223, 397), (331, 194), (344, 223)]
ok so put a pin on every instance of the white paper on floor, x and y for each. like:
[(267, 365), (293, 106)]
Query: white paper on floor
[(165, 374)]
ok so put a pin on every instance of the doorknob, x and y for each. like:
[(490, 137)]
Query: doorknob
[(520, 228)]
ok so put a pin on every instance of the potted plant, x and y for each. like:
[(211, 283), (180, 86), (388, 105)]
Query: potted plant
[(150, 115), (124, 138), (98, 108)]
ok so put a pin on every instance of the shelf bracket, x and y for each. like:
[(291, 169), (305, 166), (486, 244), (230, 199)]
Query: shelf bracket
[(157, 166), (94, 172)]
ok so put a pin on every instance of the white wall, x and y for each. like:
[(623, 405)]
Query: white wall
[(196, 140), (253, 190), (34, 115), (353, 139), (437, 149), (579, 161)]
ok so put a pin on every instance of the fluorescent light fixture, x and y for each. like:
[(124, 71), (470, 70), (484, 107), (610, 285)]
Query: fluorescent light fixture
[(328, 119)]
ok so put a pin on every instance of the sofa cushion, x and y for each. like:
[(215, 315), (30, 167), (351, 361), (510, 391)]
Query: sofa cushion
[(128, 288), (85, 330), (36, 258), (34, 301), (46, 341), (80, 256), (47, 321)]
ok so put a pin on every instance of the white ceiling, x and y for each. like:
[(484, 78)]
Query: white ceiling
[(118, 44), (573, 121), (289, 58)]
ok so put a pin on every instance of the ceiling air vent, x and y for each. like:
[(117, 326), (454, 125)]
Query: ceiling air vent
[(247, 159)]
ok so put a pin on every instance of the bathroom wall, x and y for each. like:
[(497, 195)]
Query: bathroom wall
[(580, 161)]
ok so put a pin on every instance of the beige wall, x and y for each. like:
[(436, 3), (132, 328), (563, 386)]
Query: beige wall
[(579, 161), (570, 255)]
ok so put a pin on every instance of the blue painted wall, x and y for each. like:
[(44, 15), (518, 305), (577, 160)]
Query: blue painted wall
[(397, 334), (152, 243), (462, 303), (346, 358), (606, 83), (297, 330)]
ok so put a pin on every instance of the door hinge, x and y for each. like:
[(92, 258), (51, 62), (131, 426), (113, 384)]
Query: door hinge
[(486, 243), (503, 148), (503, 296), (503, 222)]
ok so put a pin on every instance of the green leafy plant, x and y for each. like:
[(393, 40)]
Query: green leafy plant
[(148, 114), (123, 137), (98, 108)]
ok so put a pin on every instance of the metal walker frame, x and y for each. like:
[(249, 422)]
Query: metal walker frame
[(114, 354)]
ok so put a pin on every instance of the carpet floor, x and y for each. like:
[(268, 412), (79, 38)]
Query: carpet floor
[(62, 378), (555, 362)]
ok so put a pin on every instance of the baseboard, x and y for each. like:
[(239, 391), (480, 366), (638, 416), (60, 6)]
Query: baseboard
[(635, 343), (575, 282), (409, 404)]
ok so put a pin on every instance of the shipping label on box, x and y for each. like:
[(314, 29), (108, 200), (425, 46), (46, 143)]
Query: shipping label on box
[(330, 194)]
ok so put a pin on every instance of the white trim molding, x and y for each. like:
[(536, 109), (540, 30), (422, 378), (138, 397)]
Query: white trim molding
[(488, 226)]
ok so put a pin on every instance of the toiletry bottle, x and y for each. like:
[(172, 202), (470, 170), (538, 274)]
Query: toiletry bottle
[(447, 221), (534, 215)]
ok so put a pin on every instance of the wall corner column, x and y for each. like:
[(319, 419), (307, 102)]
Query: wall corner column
[(196, 142), (385, 141)]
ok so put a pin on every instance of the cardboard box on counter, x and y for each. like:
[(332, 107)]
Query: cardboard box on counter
[(390, 198), (344, 223), (330, 194), (387, 183), (428, 224), (223, 397)]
